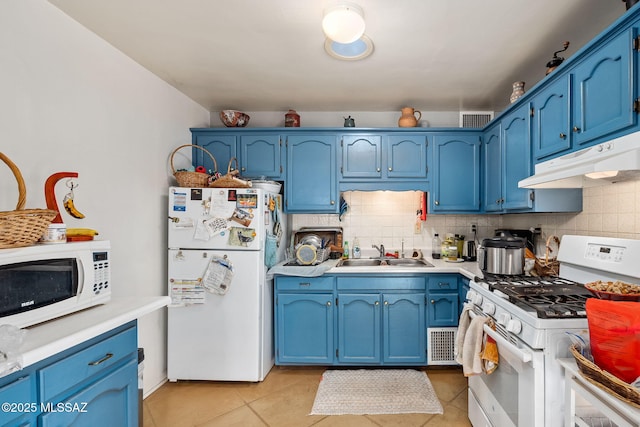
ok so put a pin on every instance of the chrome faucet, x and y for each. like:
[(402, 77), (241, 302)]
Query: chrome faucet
[(380, 249)]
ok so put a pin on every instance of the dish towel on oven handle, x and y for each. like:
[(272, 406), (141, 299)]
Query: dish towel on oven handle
[(472, 347), (490, 357), (463, 325)]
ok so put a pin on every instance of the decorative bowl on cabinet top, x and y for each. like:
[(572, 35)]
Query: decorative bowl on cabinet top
[(233, 118)]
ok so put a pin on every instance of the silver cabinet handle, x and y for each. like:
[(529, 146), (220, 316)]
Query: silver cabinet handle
[(243, 169), (390, 169), (333, 202), (377, 169), (328, 303), (104, 359), (386, 303), (376, 303), (433, 301), (436, 203), (576, 129), (562, 135)]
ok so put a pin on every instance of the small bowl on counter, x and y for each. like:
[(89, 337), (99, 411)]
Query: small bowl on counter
[(234, 118), (615, 291)]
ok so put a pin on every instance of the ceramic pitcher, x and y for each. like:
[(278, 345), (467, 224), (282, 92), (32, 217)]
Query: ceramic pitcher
[(408, 118)]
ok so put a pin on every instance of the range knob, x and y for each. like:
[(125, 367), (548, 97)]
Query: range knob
[(470, 294), (514, 326), (503, 318), (489, 307), (477, 299)]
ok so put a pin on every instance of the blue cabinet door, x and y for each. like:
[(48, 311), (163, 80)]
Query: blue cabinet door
[(603, 91), (362, 156), (359, 317), (404, 333), (406, 156), (221, 147), (110, 401), (517, 163), (443, 309), (19, 397), (304, 332), (260, 156), (492, 170), (550, 130), (456, 169), (311, 184)]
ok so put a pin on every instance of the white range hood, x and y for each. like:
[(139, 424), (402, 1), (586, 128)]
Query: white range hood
[(613, 161)]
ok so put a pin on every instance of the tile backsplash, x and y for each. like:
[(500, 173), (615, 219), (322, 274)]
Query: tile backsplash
[(389, 218)]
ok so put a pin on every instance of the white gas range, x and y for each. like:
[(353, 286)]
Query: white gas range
[(532, 317)]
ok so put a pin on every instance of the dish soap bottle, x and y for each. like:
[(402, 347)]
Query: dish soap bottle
[(356, 248), (345, 250), (436, 247)]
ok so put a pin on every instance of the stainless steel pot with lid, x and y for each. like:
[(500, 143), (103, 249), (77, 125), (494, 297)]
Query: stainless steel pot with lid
[(502, 255)]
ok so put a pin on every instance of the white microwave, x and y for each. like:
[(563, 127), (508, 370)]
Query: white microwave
[(42, 282)]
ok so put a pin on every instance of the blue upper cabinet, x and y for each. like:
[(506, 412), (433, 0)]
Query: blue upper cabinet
[(603, 92), (456, 173), (551, 129), (395, 156), (406, 156), (261, 156), (492, 170), (311, 174), (517, 163), (222, 148), (362, 156), (257, 155)]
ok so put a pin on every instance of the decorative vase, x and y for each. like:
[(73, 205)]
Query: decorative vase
[(518, 91), (408, 118), (292, 119)]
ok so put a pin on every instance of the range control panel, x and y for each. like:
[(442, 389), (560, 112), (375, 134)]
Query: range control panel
[(605, 252)]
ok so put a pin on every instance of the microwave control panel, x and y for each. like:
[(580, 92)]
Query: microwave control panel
[(101, 272)]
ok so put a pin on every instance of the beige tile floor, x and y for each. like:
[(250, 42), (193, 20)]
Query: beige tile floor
[(284, 399)]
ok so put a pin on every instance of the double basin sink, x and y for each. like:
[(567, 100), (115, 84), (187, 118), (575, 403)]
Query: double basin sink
[(380, 262)]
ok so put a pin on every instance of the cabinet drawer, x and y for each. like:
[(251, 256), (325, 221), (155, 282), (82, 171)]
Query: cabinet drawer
[(72, 370), (376, 283), (324, 283), (443, 282)]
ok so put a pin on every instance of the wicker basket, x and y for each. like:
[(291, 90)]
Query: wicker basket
[(606, 381), (231, 179), (549, 265), (192, 179), (22, 227)]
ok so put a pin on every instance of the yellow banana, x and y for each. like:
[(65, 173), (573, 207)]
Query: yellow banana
[(81, 232), (70, 207)]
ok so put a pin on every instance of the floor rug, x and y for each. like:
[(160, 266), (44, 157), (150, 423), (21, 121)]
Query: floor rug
[(375, 391)]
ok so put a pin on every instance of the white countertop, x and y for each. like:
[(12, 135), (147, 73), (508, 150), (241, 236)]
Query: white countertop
[(467, 269), (54, 336)]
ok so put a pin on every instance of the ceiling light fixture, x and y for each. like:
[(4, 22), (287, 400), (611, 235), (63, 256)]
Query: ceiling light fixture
[(343, 22)]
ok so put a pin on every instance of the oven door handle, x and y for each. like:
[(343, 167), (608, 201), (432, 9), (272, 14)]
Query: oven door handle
[(525, 357)]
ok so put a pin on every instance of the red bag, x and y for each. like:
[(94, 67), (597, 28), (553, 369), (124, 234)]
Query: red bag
[(614, 331)]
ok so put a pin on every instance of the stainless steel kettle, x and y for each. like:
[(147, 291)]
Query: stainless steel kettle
[(469, 252)]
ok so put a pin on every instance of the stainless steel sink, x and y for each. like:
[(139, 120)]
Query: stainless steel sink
[(407, 262), (358, 263), (382, 262)]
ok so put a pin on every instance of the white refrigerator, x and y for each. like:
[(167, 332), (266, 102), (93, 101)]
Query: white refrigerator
[(220, 320)]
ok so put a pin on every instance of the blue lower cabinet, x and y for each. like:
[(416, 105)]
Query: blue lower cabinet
[(112, 401), (94, 383), (304, 328), (378, 320), (359, 326), (404, 335), (443, 300)]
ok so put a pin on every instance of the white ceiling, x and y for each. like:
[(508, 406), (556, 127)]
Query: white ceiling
[(257, 55)]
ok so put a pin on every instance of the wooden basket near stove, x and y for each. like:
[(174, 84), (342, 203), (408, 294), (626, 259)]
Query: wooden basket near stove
[(549, 265)]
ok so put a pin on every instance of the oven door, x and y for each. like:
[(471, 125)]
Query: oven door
[(513, 395)]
